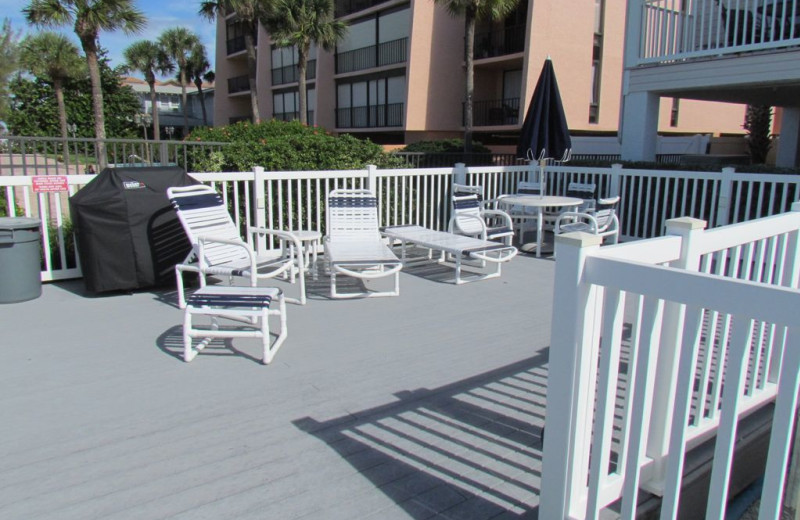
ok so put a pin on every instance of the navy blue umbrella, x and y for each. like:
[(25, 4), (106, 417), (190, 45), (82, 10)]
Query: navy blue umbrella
[(545, 134)]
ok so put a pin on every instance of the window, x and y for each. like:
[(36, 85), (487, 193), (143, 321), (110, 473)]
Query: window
[(370, 103)]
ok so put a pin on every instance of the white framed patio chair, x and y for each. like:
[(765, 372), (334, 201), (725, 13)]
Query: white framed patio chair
[(524, 218), (218, 248), (470, 219), (603, 221), (353, 243)]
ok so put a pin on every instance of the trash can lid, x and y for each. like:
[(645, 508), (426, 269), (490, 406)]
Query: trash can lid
[(19, 223)]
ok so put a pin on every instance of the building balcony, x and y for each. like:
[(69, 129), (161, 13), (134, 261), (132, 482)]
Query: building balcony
[(500, 42), (289, 74), (238, 84), (293, 116), (345, 7), (708, 28), (387, 53), (235, 45), (375, 116), (495, 112)]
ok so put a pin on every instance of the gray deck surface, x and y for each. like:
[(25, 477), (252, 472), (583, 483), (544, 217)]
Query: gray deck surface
[(425, 405)]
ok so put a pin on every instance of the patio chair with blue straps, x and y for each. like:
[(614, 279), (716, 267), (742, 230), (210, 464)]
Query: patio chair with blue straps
[(218, 248), (470, 218)]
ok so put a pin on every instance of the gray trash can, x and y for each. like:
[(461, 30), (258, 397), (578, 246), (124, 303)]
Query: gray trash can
[(20, 260)]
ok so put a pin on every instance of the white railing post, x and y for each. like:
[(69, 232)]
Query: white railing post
[(372, 179), (460, 173), (260, 215), (668, 356), (725, 195), (569, 398), (615, 180)]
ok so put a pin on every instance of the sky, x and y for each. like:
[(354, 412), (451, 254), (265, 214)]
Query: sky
[(161, 15)]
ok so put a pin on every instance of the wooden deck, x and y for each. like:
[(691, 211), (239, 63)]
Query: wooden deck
[(426, 405)]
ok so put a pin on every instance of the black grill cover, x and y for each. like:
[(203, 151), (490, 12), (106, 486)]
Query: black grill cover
[(129, 237)]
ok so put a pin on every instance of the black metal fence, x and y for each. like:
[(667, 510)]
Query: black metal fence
[(238, 84), (54, 156), (290, 74), (373, 116)]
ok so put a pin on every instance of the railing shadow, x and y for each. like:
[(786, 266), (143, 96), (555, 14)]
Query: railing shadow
[(471, 449)]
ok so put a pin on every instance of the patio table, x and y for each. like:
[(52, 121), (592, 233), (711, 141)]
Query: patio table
[(539, 202)]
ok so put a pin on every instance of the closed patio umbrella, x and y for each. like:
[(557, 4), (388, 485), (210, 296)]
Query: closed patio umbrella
[(545, 134)]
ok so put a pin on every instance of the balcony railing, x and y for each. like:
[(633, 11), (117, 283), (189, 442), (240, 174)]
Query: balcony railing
[(235, 44), (293, 116), (708, 28), (289, 73), (387, 53), (345, 7), (495, 112), (375, 116), (238, 84), (507, 40)]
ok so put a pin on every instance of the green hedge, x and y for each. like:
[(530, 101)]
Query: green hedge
[(284, 146)]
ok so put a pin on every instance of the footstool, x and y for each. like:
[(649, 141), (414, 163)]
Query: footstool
[(252, 305)]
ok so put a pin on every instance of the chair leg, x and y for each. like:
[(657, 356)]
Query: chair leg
[(283, 331)]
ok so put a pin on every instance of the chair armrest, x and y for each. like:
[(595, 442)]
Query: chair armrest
[(467, 217), (505, 217), (202, 240), (576, 215), (288, 236)]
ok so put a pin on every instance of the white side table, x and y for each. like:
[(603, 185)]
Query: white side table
[(310, 240)]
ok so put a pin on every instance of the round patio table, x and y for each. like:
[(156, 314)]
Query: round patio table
[(539, 202)]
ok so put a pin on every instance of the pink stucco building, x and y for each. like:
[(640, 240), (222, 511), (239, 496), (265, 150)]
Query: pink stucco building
[(398, 76)]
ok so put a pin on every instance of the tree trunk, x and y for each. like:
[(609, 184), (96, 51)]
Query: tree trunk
[(62, 118), (199, 85), (154, 109), (469, 45), (249, 43), (302, 63), (183, 102), (90, 50)]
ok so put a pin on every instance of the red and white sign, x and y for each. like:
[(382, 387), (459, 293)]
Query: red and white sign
[(49, 183)]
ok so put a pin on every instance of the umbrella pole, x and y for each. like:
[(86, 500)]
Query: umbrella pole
[(541, 177)]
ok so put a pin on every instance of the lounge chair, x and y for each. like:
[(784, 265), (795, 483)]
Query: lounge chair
[(462, 249), (353, 245), (218, 248)]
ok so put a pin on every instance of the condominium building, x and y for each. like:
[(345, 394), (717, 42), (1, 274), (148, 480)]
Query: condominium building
[(169, 105), (398, 75)]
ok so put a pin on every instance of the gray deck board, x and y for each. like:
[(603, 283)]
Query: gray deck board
[(425, 405)]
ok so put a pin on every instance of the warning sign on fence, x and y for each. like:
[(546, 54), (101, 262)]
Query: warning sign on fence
[(49, 183)]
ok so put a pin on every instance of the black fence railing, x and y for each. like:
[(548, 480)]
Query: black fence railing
[(235, 44), (289, 73), (387, 53), (345, 7), (495, 112), (374, 116), (293, 116), (238, 84), (498, 42)]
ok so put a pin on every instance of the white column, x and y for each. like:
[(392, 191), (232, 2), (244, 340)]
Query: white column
[(790, 138), (639, 126)]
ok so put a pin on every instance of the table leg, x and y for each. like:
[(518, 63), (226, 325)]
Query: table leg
[(540, 211)]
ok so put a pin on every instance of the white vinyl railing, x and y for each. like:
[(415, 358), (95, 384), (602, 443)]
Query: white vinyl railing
[(660, 344), (680, 29), (295, 200)]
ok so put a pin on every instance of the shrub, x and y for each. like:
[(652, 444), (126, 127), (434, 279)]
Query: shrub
[(445, 146), (284, 146)]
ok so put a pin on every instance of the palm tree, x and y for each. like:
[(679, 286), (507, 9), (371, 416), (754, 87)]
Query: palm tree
[(150, 59), (89, 17), (249, 14), (178, 44), (51, 56), (474, 10), (197, 71), (300, 23)]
